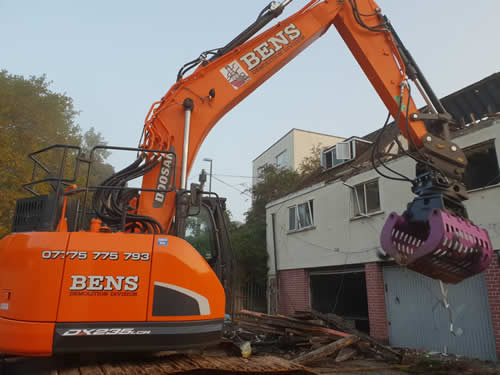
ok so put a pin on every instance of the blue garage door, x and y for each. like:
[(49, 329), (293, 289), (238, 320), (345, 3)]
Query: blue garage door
[(418, 318)]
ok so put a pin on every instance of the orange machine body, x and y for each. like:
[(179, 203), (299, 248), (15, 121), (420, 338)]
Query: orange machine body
[(64, 292)]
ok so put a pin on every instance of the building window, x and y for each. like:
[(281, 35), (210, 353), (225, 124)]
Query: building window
[(282, 160), (365, 199), (343, 152), (330, 158), (301, 216), (482, 168)]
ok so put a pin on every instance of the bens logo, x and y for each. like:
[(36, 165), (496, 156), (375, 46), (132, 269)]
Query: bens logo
[(271, 46), (235, 74), (164, 179), (106, 283), (104, 332)]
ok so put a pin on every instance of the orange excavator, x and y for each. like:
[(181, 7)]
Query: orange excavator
[(109, 268)]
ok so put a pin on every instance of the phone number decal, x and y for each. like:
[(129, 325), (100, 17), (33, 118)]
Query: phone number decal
[(95, 255)]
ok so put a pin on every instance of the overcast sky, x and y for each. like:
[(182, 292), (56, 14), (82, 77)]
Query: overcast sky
[(115, 58)]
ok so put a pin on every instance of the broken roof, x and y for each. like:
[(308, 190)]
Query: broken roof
[(473, 107)]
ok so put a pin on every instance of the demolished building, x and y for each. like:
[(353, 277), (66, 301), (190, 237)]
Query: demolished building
[(324, 247)]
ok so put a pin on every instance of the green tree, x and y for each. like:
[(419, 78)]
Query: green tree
[(249, 239), (100, 169), (91, 138), (311, 164), (273, 183), (31, 117)]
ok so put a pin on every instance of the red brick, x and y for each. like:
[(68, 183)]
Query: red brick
[(376, 301), (493, 283), (294, 291)]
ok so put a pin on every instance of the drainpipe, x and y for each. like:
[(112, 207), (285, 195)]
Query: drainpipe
[(273, 230)]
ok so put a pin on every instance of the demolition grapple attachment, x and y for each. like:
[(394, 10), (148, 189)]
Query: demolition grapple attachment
[(451, 249), (434, 236)]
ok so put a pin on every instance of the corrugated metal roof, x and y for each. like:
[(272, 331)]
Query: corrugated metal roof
[(474, 101)]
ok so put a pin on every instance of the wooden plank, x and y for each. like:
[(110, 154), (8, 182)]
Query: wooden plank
[(261, 328), (346, 354), (330, 332), (326, 350), (321, 339), (280, 322), (287, 322), (318, 322), (296, 332), (337, 322)]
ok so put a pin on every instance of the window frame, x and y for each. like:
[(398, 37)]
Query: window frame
[(468, 151), (284, 152), (333, 155), (297, 222), (355, 204), (352, 151)]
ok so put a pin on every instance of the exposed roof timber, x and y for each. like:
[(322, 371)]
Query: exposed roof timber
[(479, 99)]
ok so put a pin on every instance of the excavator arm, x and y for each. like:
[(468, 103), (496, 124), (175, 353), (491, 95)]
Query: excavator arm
[(224, 77)]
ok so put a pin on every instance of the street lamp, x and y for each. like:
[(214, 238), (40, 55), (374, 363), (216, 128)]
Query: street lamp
[(209, 181)]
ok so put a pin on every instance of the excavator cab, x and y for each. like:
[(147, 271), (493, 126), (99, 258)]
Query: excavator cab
[(206, 229)]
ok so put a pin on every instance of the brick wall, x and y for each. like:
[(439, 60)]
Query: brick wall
[(294, 291), (492, 276), (376, 301)]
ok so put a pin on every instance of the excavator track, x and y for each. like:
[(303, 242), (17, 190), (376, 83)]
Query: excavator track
[(125, 364)]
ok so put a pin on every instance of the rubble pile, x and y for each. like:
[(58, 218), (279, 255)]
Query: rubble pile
[(306, 337)]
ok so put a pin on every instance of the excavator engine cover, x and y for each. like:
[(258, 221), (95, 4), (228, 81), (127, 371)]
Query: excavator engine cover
[(71, 292), (451, 249)]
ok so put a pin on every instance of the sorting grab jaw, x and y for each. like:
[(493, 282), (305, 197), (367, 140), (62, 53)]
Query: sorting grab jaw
[(451, 249)]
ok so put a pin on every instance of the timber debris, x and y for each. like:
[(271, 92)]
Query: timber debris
[(307, 337)]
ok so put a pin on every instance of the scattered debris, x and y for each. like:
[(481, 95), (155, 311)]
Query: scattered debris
[(346, 354), (255, 343), (327, 350), (246, 349), (285, 325), (307, 337), (338, 322)]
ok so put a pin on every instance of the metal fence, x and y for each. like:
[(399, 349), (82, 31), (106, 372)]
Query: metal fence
[(249, 295)]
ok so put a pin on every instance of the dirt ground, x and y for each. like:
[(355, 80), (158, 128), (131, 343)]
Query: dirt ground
[(452, 365), (414, 364)]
